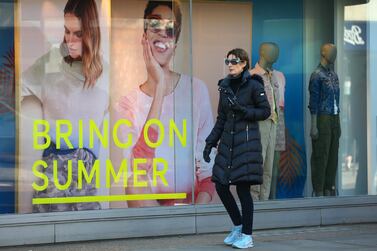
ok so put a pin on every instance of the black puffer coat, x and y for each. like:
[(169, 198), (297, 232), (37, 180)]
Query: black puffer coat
[(239, 158)]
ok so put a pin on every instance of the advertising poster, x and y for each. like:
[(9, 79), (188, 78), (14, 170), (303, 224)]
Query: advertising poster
[(168, 111), (64, 101), (117, 98)]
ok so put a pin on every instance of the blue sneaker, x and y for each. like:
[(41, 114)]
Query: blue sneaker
[(245, 241), (233, 235)]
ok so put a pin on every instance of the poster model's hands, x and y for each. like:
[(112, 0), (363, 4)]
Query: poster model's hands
[(154, 69)]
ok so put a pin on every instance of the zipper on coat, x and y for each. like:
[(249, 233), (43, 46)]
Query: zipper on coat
[(247, 132)]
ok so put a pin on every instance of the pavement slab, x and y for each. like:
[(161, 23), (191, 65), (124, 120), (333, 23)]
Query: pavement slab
[(354, 237)]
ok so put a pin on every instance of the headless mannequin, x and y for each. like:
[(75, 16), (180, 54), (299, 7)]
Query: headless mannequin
[(325, 124), (328, 57), (280, 141), (268, 54)]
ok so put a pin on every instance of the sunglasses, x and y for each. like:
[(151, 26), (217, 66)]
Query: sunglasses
[(156, 25), (233, 61)]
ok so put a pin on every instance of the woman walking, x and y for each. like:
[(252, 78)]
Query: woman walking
[(239, 159)]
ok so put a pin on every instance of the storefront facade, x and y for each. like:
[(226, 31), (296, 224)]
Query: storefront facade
[(172, 193)]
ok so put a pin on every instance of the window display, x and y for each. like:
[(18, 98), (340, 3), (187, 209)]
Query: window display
[(107, 104)]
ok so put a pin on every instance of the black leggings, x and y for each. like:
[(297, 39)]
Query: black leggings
[(247, 205)]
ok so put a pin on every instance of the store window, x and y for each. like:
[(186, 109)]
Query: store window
[(113, 100), (353, 71)]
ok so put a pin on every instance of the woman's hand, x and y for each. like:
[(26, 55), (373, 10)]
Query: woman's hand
[(207, 152), (154, 69), (235, 106)]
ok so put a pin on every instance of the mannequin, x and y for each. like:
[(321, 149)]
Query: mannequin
[(268, 54), (280, 145), (325, 125)]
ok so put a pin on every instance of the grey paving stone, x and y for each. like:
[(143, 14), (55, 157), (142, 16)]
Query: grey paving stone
[(332, 238)]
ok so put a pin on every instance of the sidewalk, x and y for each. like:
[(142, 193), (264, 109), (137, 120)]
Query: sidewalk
[(342, 237)]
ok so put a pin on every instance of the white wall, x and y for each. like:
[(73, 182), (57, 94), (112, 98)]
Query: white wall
[(218, 27)]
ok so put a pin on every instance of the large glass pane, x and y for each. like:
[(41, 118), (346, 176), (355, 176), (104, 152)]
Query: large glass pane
[(152, 88), (7, 109), (338, 158), (216, 30), (120, 95), (352, 70), (64, 99), (358, 170), (278, 27)]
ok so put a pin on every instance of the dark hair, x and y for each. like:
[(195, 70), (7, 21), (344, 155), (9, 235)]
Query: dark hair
[(174, 6), (87, 12), (242, 55)]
